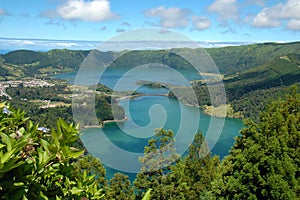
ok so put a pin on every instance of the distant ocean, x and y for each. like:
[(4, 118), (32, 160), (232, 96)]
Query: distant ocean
[(12, 44)]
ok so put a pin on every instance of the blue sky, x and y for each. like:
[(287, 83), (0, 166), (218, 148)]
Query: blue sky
[(200, 20)]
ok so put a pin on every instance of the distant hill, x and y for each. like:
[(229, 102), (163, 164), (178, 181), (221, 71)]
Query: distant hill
[(229, 60), (235, 59), (26, 63)]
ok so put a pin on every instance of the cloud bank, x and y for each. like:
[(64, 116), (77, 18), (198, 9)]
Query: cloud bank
[(201, 23), (226, 10), (92, 11), (177, 18), (170, 17), (278, 14)]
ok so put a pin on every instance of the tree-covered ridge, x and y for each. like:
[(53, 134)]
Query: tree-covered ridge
[(142, 57), (278, 72), (252, 103), (249, 92), (229, 60), (29, 63)]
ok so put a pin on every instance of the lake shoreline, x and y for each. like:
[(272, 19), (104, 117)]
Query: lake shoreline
[(125, 118)]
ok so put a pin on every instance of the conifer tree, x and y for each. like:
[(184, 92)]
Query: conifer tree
[(264, 162), (199, 167), (159, 155), (119, 188)]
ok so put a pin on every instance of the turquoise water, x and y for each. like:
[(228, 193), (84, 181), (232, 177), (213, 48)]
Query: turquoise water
[(119, 145), (124, 78), (148, 113)]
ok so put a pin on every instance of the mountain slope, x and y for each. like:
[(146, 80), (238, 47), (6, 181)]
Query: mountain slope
[(281, 71), (235, 59), (229, 60)]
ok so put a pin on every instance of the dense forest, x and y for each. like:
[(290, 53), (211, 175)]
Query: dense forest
[(263, 163)]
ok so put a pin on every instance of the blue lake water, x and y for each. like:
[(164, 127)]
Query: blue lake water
[(119, 145), (124, 78)]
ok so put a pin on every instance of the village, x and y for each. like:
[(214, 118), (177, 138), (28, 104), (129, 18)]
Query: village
[(27, 83)]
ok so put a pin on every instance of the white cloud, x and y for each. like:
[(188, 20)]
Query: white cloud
[(226, 9), (275, 16), (293, 24), (263, 19), (22, 43), (94, 10), (65, 44), (201, 23), (170, 17)]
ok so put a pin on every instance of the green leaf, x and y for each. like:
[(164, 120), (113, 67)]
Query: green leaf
[(6, 140), (76, 190), (22, 130), (57, 198), (19, 184), (6, 156), (147, 196), (76, 154)]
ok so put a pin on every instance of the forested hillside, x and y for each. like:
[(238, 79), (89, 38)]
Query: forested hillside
[(25, 63), (229, 60), (283, 70), (252, 90), (235, 59)]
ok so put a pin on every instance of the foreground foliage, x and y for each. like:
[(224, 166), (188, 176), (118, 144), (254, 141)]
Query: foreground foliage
[(38, 165)]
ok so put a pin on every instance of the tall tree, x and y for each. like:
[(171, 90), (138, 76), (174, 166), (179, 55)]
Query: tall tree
[(199, 167), (92, 166), (119, 188), (264, 162), (158, 158), (192, 176)]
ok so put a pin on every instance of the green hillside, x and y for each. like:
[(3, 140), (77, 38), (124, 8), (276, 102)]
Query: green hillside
[(281, 71), (25, 63), (235, 59), (229, 60), (141, 57)]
